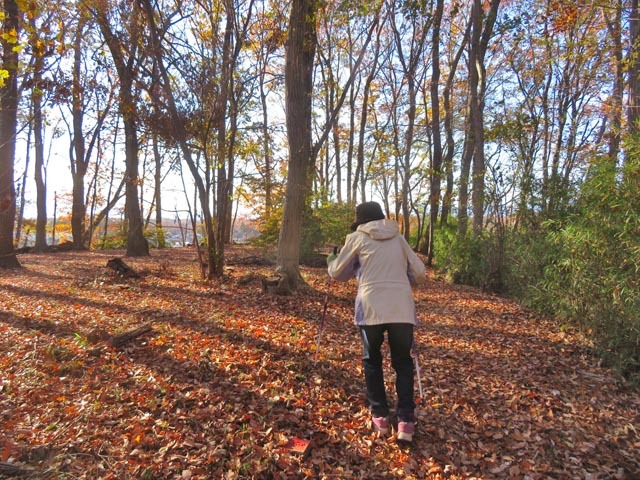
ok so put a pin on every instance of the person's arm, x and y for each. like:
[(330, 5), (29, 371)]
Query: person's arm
[(343, 267), (416, 270)]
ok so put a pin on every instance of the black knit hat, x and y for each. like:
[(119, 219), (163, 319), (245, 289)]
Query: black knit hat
[(367, 212)]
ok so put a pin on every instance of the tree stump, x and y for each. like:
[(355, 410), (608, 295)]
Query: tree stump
[(122, 269), (276, 285)]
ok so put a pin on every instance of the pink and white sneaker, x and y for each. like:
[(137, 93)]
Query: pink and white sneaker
[(406, 431), (380, 424)]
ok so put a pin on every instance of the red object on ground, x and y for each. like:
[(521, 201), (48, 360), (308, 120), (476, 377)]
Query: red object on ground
[(298, 445)]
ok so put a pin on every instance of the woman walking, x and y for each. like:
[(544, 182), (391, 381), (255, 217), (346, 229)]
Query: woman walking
[(385, 266)]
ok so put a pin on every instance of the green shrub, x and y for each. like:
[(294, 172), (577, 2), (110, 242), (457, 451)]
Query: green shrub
[(582, 267), (270, 230), (528, 252), (156, 236), (461, 260), (335, 222), (115, 241)]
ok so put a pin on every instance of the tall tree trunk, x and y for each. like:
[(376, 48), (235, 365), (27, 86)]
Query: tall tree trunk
[(447, 199), (8, 119), (633, 111), (23, 186), (39, 170), (92, 197), (406, 158), (324, 166), (231, 150), (181, 136), (110, 197), (359, 176), (617, 95), (351, 145), (476, 80), (465, 168), (330, 84), (157, 184), (396, 166), (323, 162), (352, 128), (411, 75), (436, 167), (481, 31), (547, 110), (225, 179), (336, 146), (267, 151), (137, 245), (78, 165), (552, 186), (301, 46)]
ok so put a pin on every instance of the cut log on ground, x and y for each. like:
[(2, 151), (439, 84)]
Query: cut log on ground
[(122, 269), (123, 338), (11, 469)]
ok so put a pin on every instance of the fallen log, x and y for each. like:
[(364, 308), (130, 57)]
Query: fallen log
[(250, 260), (123, 338), (61, 247), (11, 469), (245, 279)]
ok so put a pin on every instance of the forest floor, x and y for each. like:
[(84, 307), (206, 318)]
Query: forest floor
[(225, 381)]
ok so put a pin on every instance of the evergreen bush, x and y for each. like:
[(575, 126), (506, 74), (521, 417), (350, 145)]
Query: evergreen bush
[(584, 268)]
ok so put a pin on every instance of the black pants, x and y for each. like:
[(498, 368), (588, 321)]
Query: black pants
[(400, 337)]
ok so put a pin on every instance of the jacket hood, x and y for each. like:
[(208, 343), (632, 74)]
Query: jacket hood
[(380, 229)]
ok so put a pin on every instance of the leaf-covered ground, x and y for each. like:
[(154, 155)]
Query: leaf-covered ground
[(226, 378)]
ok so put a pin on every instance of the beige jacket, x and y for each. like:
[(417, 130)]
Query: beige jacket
[(385, 266)]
